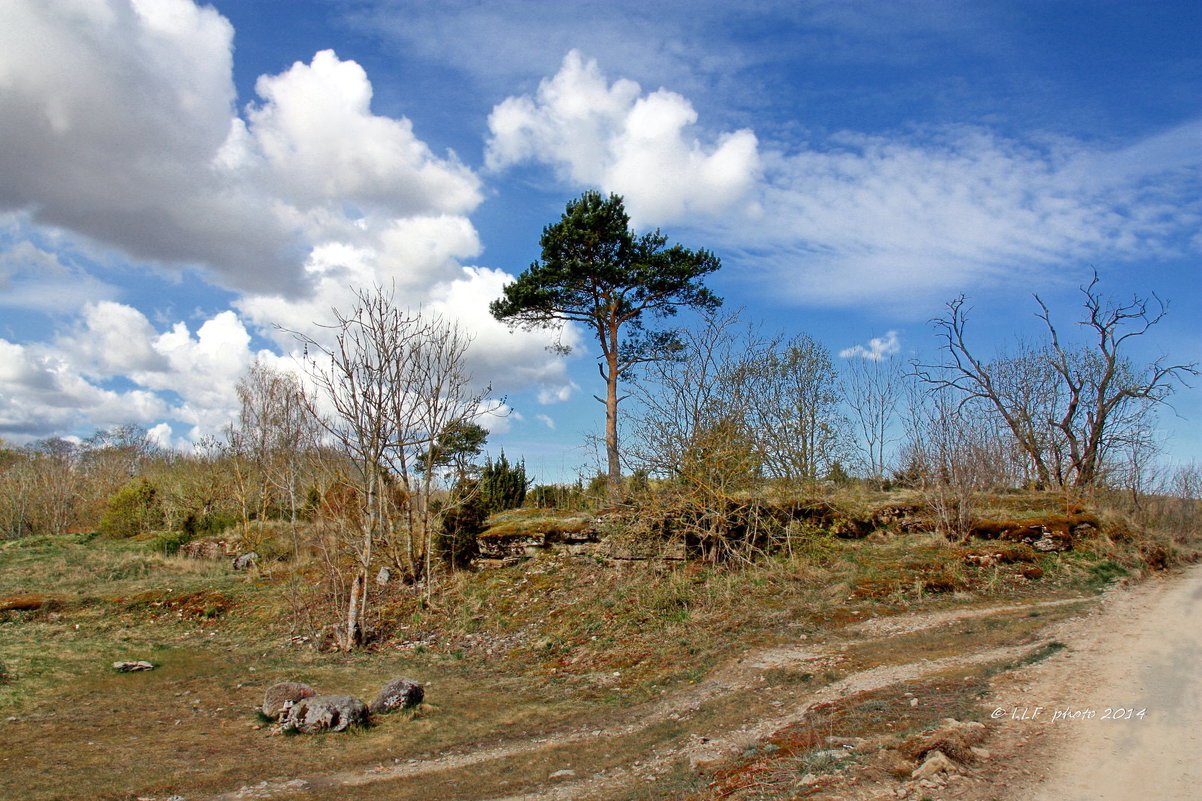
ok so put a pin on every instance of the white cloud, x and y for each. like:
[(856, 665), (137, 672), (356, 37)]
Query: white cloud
[(876, 350), (320, 142), (545, 420), (112, 339), (118, 123), (611, 136), (41, 395), (859, 217)]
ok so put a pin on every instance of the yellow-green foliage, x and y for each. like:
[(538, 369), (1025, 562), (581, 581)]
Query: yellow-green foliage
[(535, 522)]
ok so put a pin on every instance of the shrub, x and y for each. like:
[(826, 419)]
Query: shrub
[(169, 542), (132, 510)]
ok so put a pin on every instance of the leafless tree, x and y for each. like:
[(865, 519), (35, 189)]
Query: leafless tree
[(1069, 407), (270, 444), (789, 389), (873, 390), (390, 382)]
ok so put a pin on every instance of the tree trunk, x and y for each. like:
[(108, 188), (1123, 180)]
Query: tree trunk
[(614, 475), (350, 638)]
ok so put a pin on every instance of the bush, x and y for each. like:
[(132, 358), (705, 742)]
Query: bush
[(132, 510), (461, 523), (169, 543)]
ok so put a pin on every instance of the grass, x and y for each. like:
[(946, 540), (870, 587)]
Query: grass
[(555, 642)]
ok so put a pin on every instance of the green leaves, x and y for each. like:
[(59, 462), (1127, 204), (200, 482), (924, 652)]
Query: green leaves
[(595, 270)]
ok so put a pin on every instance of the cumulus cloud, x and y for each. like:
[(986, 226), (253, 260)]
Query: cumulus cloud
[(121, 131), (857, 217), (320, 140), (119, 123), (876, 350), (41, 395), (615, 137)]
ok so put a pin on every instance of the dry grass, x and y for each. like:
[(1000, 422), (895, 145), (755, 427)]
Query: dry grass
[(518, 652)]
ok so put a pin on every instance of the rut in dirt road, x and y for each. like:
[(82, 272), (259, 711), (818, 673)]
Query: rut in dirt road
[(741, 674)]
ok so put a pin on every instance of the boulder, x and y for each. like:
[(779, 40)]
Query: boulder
[(953, 738), (245, 561), (936, 762), (384, 576), (280, 696), (398, 693), (326, 713), (205, 549)]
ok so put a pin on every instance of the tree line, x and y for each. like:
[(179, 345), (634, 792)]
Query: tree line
[(369, 454)]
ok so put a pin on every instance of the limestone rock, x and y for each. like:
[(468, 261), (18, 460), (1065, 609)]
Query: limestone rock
[(952, 738), (398, 693), (326, 713), (128, 667), (245, 561), (936, 762), (205, 549), (280, 696)]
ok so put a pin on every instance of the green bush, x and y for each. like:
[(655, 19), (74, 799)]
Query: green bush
[(132, 510), (169, 542)]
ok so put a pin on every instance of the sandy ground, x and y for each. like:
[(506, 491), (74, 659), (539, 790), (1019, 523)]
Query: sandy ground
[(1117, 716)]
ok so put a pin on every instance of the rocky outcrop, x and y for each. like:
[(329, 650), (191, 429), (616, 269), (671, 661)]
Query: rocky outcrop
[(398, 693), (1047, 534), (523, 533), (205, 549), (279, 697), (953, 738), (321, 713)]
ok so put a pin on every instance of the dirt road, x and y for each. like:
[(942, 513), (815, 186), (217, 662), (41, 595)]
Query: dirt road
[(1117, 716)]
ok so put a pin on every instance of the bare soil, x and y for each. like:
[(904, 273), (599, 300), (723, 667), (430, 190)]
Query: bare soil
[(1117, 716), (1112, 715)]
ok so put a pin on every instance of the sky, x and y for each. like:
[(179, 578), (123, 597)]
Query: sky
[(179, 183)]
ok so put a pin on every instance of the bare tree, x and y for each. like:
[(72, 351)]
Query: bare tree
[(269, 445), (873, 390), (1069, 407), (390, 382), (790, 392)]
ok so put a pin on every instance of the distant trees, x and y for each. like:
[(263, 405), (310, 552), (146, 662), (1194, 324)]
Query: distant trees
[(873, 391), (595, 271), (270, 446), (731, 399), (1071, 408), (790, 391)]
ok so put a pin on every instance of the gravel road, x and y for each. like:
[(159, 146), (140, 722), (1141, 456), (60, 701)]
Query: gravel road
[(1117, 716)]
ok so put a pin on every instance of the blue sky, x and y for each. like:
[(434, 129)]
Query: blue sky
[(177, 179)]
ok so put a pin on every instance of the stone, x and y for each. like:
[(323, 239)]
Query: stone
[(205, 549), (320, 713), (398, 693), (384, 576), (129, 667), (279, 697), (952, 738), (245, 561), (563, 774), (936, 762)]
